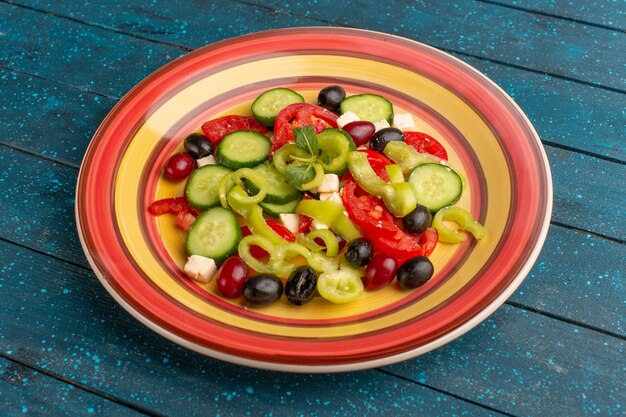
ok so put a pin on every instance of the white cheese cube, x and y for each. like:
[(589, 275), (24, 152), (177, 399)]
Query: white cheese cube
[(347, 117), (334, 197), (290, 220), (403, 121), (207, 160), (381, 124), (315, 225), (200, 269), (330, 184)]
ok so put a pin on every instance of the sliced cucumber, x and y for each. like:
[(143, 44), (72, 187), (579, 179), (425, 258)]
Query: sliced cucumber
[(435, 185), (215, 234), (243, 149), (279, 191), (202, 186), (274, 210), (266, 106), (370, 107)]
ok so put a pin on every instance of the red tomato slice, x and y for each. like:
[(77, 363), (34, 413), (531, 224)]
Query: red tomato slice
[(367, 211), (216, 129), (185, 219), (305, 224), (429, 240), (172, 206), (424, 143), (255, 251), (297, 115), (378, 162), (281, 230)]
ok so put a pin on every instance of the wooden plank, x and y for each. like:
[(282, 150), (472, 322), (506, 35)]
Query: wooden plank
[(541, 43), (88, 338), (606, 13), (72, 328), (49, 118), (27, 392), (578, 277), (527, 364)]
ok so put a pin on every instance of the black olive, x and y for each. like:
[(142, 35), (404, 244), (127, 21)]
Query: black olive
[(198, 146), (331, 97), (415, 272), (383, 137), (262, 289), (300, 286), (359, 251), (418, 220)]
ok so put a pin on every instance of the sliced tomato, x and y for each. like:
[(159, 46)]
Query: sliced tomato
[(367, 211), (185, 219), (378, 162), (216, 129), (171, 206), (298, 115), (281, 230), (304, 226), (424, 143), (428, 240)]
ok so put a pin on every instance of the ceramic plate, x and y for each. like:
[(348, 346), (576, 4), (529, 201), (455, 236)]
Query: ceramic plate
[(138, 258)]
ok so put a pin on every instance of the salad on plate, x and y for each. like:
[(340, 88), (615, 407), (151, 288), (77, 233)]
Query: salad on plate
[(303, 200)]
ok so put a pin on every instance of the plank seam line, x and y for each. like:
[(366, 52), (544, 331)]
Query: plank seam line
[(99, 26), (587, 232), (40, 252), (565, 319), (38, 155), (582, 151), (441, 391), (284, 12), (64, 84), (556, 16), (66, 380)]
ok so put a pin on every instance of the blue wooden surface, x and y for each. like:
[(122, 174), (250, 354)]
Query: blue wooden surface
[(555, 348)]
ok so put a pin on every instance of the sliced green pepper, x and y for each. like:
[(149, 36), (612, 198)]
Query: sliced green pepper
[(282, 155), (259, 180), (317, 180), (334, 146), (275, 265), (395, 173), (253, 215), (398, 197), (223, 188), (330, 214), (463, 218), (316, 260), (406, 156), (330, 242)]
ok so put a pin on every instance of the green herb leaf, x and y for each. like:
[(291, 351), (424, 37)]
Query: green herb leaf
[(298, 174), (305, 139)]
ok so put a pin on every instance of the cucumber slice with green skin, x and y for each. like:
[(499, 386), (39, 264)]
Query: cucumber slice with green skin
[(274, 210), (369, 107), (202, 186), (279, 192), (435, 186), (267, 106), (243, 149), (215, 234)]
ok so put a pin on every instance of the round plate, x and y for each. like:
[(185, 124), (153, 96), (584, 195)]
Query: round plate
[(138, 258)]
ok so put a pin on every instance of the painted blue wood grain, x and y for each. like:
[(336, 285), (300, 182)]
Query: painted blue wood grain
[(519, 362), (611, 13), (58, 317), (529, 365), (516, 37), (579, 277), (48, 118), (24, 392)]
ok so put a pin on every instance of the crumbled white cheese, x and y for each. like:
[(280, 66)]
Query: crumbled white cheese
[(403, 121), (381, 124), (200, 269), (334, 197), (290, 220), (207, 160), (362, 148), (347, 117), (329, 184), (315, 225)]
